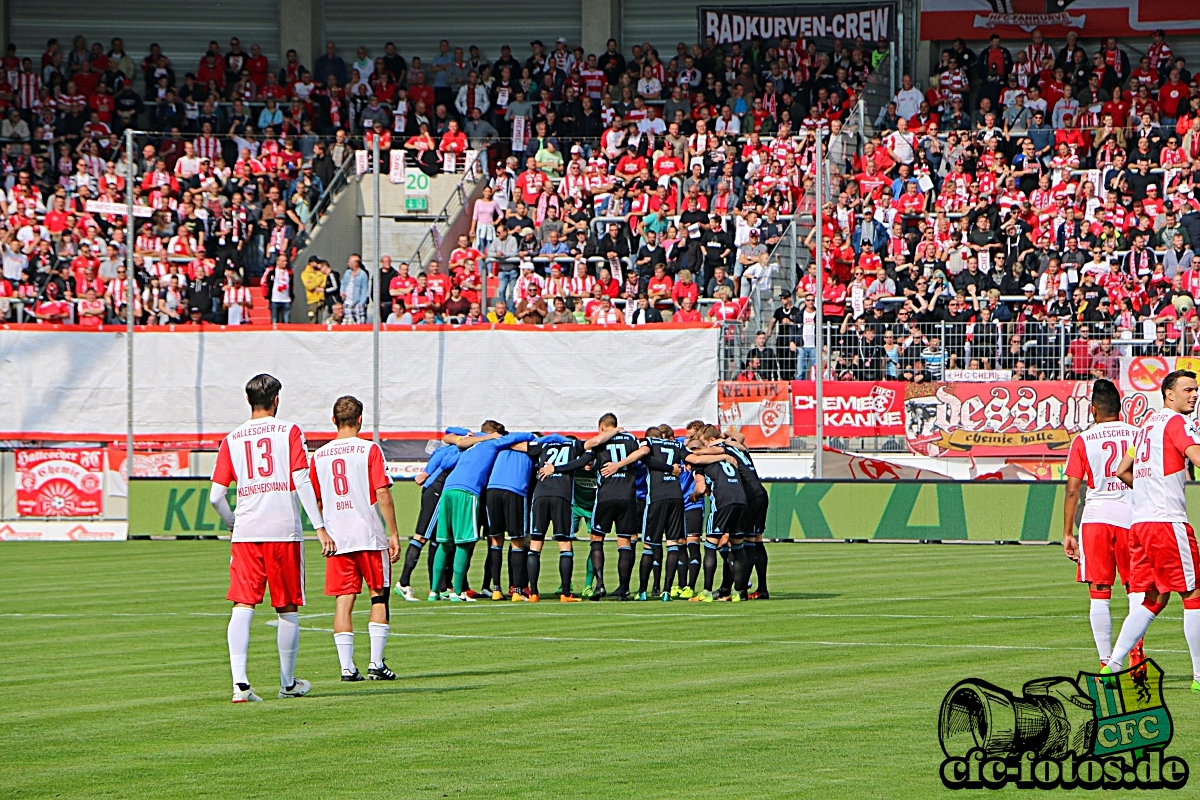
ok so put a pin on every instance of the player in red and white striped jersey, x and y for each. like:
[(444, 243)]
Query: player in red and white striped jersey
[(267, 459), (354, 490), (1155, 467), (1102, 549)]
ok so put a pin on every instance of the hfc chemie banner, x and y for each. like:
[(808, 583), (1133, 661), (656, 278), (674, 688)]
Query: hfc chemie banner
[(60, 483), (979, 19), (759, 409), (851, 408), (872, 21), (988, 419)]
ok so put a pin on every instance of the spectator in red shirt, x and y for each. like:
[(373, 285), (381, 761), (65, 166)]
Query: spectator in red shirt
[(1079, 353), (660, 287), (258, 66), (453, 140), (1171, 95)]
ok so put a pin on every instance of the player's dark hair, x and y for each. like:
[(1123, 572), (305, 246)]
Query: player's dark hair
[(261, 391), (695, 425), (667, 431), (1105, 398), (347, 411), (1172, 377), (491, 426), (608, 421), (709, 432)]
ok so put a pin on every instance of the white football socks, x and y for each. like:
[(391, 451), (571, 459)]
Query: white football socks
[(1191, 632), (1136, 599), (1135, 627), (345, 648), (288, 640), (379, 637), (1101, 627), (238, 635)]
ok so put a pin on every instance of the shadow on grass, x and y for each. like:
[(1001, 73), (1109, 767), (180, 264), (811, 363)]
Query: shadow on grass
[(803, 596), (472, 672), (416, 690)]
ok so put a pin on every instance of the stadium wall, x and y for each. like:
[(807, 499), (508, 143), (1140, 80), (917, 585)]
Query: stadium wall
[(800, 510), (65, 386)]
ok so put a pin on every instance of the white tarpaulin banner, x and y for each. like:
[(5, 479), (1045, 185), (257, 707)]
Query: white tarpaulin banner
[(191, 385)]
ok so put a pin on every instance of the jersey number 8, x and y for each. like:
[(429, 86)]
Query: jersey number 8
[(729, 469), (341, 486)]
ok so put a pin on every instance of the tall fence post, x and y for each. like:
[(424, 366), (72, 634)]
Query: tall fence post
[(375, 294), (819, 451), (130, 288)]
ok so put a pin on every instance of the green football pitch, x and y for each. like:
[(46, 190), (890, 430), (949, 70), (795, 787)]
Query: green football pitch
[(114, 680)]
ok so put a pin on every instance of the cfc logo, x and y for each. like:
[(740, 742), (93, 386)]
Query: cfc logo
[(1096, 731)]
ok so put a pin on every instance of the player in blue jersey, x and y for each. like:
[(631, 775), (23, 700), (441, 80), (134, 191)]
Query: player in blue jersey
[(431, 480), (507, 506), (458, 516)]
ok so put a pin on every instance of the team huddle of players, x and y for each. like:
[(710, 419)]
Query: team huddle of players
[(1135, 519), (497, 485), (479, 485)]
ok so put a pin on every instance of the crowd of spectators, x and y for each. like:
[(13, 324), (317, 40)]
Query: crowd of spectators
[(1034, 213), (228, 170), (1051, 188)]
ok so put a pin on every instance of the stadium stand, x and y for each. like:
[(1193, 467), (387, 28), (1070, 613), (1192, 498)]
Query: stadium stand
[(1031, 211)]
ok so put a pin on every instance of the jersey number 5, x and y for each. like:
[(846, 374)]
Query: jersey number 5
[(267, 468), (1144, 453), (341, 486)]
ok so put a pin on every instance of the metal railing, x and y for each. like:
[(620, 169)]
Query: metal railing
[(336, 184), (430, 245)]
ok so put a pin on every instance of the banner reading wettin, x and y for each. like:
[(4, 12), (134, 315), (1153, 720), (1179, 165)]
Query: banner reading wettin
[(727, 25), (759, 409)]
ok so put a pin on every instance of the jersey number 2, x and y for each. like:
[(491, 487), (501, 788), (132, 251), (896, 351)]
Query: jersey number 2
[(267, 468), (1114, 451)]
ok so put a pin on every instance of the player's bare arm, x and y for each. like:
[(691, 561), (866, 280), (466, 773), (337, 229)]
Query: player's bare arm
[(387, 509), (709, 455), (602, 437), (615, 466), (579, 463), (465, 442), (1125, 468), (1070, 506)]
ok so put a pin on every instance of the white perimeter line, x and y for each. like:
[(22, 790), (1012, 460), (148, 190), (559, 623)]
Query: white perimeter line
[(749, 642), (716, 615)]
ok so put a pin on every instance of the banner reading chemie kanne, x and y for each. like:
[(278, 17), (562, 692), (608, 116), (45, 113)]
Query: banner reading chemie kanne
[(729, 24)]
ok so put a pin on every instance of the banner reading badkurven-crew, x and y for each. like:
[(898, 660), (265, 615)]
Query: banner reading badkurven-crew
[(729, 24)]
